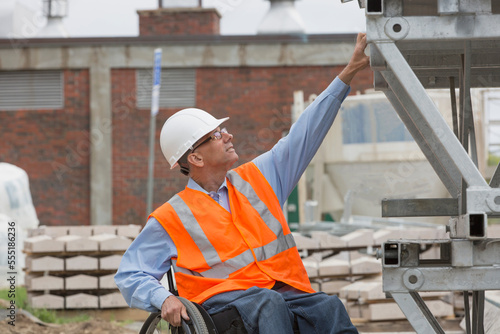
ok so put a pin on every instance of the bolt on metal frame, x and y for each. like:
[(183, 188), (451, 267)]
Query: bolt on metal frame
[(414, 46)]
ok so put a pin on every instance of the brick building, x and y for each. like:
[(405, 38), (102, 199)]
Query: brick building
[(74, 112)]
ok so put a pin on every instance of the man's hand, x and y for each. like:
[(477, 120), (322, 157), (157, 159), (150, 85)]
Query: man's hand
[(358, 60), (172, 310)]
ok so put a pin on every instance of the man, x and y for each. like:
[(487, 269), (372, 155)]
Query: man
[(226, 235)]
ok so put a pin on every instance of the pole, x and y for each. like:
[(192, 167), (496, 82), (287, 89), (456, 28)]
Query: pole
[(152, 128)]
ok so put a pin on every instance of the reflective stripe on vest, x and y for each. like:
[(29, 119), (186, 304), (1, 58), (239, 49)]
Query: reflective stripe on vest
[(224, 269), (246, 188), (194, 229), (221, 269)]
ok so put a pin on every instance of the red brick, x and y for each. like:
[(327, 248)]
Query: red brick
[(179, 21)]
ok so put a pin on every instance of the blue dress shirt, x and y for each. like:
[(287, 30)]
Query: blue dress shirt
[(148, 257)]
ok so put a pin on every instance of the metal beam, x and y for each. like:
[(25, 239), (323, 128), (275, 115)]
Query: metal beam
[(417, 313), (440, 138), (435, 48), (442, 278), (420, 207), (458, 27), (435, 78)]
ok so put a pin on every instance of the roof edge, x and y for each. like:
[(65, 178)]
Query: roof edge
[(188, 39)]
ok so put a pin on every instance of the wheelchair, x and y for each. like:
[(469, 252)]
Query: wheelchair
[(200, 322)]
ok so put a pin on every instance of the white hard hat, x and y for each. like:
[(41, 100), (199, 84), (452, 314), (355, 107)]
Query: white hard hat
[(183, 129)]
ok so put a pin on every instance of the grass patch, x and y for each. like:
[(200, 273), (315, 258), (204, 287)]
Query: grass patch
[(124, 323), (493, 159), (44, 315), (21, 297)]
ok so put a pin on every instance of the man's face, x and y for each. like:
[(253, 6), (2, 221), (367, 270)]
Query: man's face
[(218, 153)]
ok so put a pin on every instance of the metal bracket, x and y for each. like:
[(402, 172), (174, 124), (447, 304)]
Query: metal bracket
[(420, 207)]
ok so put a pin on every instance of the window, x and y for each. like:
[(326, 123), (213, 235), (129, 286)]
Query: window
[(372, 121), (178, 88), (31, 90)]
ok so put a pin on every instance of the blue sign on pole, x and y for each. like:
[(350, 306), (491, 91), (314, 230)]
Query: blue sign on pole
[(157, 68), (156, 83)]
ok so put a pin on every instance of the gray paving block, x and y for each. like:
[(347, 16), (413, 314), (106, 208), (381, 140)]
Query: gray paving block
[(81, 282), (48, 282), (391, 311), (333, 267), (111, 262), (359, 238), (333, 286), (77, 243), (366, 266), (129, 231), (51, 231), (111, 242), (81, 262), (364, 290), (112, 300), (327, 240), (47, 301), (82, 301), (104, 229), (43, 244), (84, 231), (107, 282), (44, 263), (304, 242)]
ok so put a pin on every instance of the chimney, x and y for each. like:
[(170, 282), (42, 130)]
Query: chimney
[(282, 18), (179, 21), (55, 11)]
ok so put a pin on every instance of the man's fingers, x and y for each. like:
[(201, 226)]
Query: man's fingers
[(361, 40), (184, 314), (172, 310), (173, 318), (177, 319), (178, 316), (360, 37)]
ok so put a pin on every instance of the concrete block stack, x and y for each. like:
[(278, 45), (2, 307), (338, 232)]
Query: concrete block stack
[(346, 266), (365, 300), (72, 267), (332, 261)]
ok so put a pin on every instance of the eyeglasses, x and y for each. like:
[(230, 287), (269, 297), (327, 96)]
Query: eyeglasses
[(215, 136)]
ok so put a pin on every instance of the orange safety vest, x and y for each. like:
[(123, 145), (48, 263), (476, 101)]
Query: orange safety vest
[(218, 251)]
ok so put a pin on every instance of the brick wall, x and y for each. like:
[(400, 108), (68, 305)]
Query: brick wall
[(179, 21), (258, 100), (131, 151), (52, 146)]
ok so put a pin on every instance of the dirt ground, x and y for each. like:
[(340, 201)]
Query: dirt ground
[(99, 326), (94, 326)]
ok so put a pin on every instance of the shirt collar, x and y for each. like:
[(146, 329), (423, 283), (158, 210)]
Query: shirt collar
[(195, 186)]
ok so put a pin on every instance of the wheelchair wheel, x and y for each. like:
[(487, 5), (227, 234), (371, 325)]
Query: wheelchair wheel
[(196, 324)]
